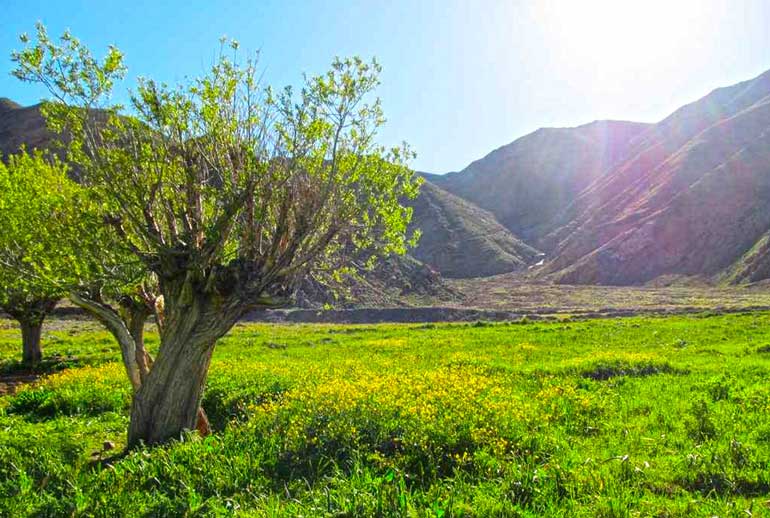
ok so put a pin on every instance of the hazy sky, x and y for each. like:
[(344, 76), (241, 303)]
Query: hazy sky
[(460, 77)]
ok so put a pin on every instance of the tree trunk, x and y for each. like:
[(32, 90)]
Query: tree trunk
[(119, 329), (144, 362), (30, 340), (135, 317), (168, 401), (203, 426), (30, 315), (128, 329)]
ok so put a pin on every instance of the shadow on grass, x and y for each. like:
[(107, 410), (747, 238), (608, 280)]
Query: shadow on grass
[(14, 374), (603, 371), (102, 459), (717, 483), (47, 365)]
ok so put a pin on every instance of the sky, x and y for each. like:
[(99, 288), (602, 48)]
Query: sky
[(460, 78)]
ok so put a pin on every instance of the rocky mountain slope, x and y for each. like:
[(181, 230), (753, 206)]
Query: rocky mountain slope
[(461, 240), (528, 182), (396, 281), (691, 197), (625, 203), (21, 126)]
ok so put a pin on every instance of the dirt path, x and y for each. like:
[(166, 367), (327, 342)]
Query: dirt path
[(450, 314), (10, 383)]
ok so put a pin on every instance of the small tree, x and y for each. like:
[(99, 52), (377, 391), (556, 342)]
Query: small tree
[(227, 192), (35, 196)]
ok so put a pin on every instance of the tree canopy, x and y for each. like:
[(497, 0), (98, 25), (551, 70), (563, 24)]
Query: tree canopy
[(35, 213), (228, 193)]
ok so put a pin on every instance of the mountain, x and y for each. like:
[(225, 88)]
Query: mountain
[(395, 281), (461, 240), (615, 202), (610, 202), (8, 105), (691, 197), (21, 126), (528, 182)]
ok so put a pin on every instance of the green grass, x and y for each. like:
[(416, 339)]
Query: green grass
[(628, 417)]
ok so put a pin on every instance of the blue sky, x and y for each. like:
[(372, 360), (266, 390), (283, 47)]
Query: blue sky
[(460, 77)]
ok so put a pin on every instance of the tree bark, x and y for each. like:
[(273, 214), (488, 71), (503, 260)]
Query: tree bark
[(135, 321), (32, 352), (202, 425), (168, 401), (128, 329), (135, 317), (119, 329)]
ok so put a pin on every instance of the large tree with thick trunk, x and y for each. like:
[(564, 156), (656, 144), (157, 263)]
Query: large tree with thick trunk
[(227, 193), (125, 314)]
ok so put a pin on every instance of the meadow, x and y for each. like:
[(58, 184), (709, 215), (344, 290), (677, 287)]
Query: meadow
[(653, 416)]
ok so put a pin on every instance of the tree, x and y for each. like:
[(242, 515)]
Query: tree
[(56, 244), (227, 192), (35, 194)]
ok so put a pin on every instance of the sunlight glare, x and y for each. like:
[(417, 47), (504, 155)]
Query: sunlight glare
[(618, 36)]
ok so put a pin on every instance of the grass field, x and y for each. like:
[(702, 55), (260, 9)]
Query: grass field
[(625, 417)]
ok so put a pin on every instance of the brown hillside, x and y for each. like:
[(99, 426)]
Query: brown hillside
[(528, 182), (462, 240), (21, 126), (691, 197)]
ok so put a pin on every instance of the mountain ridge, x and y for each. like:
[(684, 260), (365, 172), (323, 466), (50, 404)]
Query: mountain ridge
[(691, 198), (528, 181), (606, 202), (638, 200), (461, 240)]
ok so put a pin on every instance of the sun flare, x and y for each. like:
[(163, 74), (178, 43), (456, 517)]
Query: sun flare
[(620, 36)]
